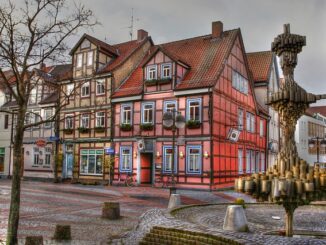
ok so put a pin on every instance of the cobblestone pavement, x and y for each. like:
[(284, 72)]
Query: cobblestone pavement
[(43, 205)]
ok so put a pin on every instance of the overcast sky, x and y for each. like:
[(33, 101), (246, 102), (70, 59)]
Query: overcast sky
[(259, 20)]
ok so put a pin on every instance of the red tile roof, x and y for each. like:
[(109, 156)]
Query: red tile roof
[(204, 56), (260, 64), (317, 109)]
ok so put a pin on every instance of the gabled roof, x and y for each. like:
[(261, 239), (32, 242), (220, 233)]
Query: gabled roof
[(317, 109), (100, 44), (260, 64), (204, 55)]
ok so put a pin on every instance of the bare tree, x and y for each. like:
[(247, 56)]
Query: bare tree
[(31, 35)]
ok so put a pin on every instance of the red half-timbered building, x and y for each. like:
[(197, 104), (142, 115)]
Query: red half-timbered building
[(207, 80)]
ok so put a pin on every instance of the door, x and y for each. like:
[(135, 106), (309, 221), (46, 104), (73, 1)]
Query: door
[(146, 168), (69, 165), (2, 160)]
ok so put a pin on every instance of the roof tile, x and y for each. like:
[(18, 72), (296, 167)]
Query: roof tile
[(259, 64)]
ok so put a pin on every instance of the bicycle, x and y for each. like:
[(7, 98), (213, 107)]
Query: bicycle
[(128, 179)]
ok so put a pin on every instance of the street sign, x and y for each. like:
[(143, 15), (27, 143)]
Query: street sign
[(40, 142), (53, 138), (109, 151)]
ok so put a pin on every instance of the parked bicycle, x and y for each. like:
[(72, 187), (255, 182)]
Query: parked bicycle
[(126, 179)]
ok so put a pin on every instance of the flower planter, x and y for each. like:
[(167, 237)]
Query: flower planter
[(83, 130), (193, 124), (126, 127), (146, 126), (99, 129), (68, 130)]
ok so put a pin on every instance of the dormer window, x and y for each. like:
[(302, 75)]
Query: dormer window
[(166, 71), (79, 60), (151, 72)]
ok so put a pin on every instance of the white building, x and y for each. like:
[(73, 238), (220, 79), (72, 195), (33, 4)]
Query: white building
[(264, 68), (309, 126)]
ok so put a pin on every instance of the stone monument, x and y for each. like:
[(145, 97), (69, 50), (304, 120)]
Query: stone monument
[(291, 182)]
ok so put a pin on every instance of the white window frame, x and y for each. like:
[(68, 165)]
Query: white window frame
[(253, 123), (248, 157), (36, 156), (99, 118), (46, 117), (239, 82), (169, 102), (262, 162), (88, 152), (165, 155), (261, 128), (253, 161), (79, 60), (200, 159), (189, 109), (240, 161), (240, 119), (100, 86), (83, 89), (127, 166), (166, 66), (70, 90), (90, 55), (144, 112), (47, 159), (67, 117), (250, 122), (36, 115), (32, 97), (84, 118), (149, 71), (122, 116)]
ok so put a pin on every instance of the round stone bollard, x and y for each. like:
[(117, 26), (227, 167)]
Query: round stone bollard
[(34, 240), (174, 201), (111, 210), (62, 232), (235, 219)]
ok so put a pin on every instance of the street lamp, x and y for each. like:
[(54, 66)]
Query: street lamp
[(174, 120), (319, 142)]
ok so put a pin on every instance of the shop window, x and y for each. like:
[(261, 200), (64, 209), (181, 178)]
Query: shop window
[(91, 162)]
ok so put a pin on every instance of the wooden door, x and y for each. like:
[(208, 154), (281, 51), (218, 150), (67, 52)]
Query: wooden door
[(146, 168)]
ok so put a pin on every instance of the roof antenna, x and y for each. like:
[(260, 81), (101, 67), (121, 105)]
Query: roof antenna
[(131, 27)]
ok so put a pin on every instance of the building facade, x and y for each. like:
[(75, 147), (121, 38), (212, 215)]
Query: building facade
[(85, 121), (264, 68), (207, 80)]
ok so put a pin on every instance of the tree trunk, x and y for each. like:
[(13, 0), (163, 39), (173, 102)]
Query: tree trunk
[(289, 220), (15, 184)]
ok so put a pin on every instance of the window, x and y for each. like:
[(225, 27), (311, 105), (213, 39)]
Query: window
[(126, 117), (151, 72), (194, 159), (91, 162), (36, 156), (262, 161), (70, 89), (240, 119), (167, 159), (125, 159), (148, 112), (85, 89), (90, 58), (256, 170), (47, 116), (250, 122), (84, 122), (36, 118), (170, 105), (32, 96), (166, 71), (2, 159), (6, 122), (48, 152), (100, 119), (239, 82), (79, 60), (252, 161), (248, 157), (194, 109), (240, 161), (261, 128), (69, 122), (100, 87), (27, 118)]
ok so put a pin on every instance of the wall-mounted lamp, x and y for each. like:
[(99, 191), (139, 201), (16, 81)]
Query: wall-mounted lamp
[(158, 155), (206, 154), (135, 154), (181, 155)]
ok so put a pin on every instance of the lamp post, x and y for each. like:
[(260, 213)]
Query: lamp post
[(319, 142), (174, 120)]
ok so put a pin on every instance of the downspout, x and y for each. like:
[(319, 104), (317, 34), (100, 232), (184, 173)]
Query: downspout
[(267, 143), (211, 139)]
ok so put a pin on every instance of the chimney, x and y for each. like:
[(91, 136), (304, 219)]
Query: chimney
[(141, 35), (217, 29)]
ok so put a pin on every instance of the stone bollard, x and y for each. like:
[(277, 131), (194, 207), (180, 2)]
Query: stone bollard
[(174, 201), (34, 240), (62, 232), (235, 219), (111, 210)]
